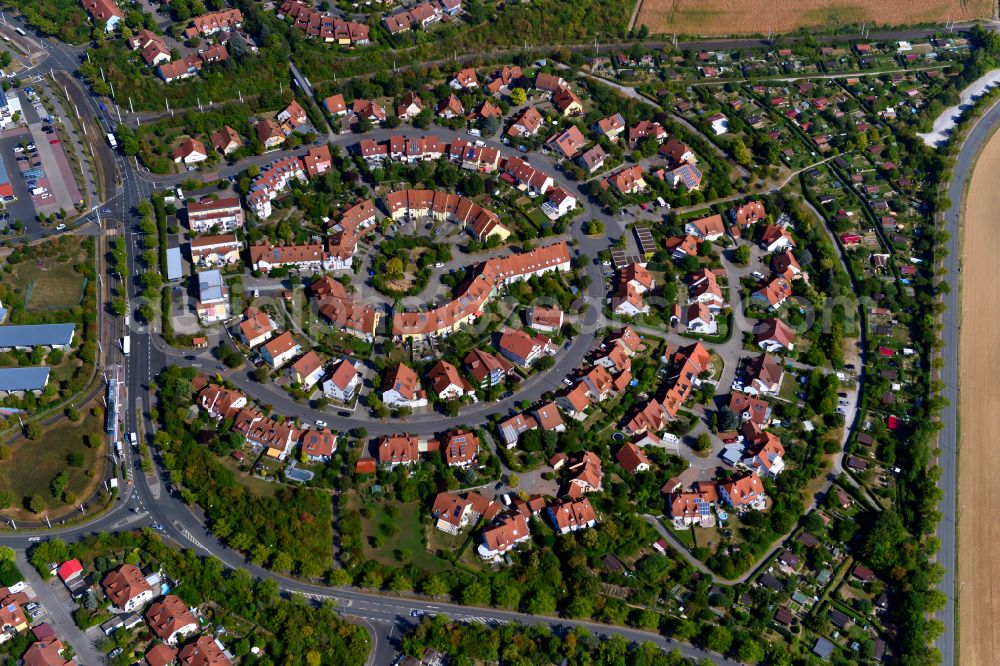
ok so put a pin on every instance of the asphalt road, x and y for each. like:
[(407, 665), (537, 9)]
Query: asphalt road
[(382, 611), (950, 321)]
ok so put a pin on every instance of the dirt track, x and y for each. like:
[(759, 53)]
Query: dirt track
[(979, 405), (725, 17)]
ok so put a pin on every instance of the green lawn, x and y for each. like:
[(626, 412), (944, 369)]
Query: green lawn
[(408, 539), (34, 464), (50, 282)]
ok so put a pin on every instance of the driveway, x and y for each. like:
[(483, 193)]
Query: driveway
[(59, 607)]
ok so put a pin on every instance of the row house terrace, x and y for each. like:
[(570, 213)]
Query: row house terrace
[(276, 177), (483, 285)]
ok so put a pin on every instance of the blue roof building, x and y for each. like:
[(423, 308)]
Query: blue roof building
[(174, 270), (36, 335), (23, 379)]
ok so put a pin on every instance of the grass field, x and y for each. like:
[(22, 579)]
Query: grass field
[(724, 17), (34, 464), (51, 283), (979, 468), (408, 539)]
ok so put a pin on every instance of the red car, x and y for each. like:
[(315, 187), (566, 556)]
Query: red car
[(54, 141)]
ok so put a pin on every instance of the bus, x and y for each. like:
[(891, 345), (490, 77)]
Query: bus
[(20, 32), (111, 140), (126, 344)]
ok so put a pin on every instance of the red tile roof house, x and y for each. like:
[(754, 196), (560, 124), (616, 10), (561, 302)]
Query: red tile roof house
[(318, 445), (509, 531), (774, 239), (46, 653), (707, 228), (762, 375), (748, 214), (160, 654), (221, 402), (277, 438), (70, 570), (774, 335), (638, 277), (692, 507), (104, 12), (452, 512), (292, 115), (206, 651), (335, 105), (190, 151), (703, 287), (450, 107), (571, 515), (765, 454), (575, 401), (569, 142), (512, 429), (750, 408), (280, 350), (627, 181), (527, 123), (398, 450), (683, 246), (127, 588), (486, 368), (410, 107), (256, 327), (343, 382), (644, 129), (742, 491), (465, 80), (632, 459), (226, 140), (547, 417), (307, 370), (460, 449), (446, 383), (545, 319), (521, 348), (592, 159), (598, 382), (611, 127), (401, 388), (586, 474), (773, 294), (170, 619)]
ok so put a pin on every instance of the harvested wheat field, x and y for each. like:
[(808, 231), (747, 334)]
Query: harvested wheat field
[(726, 17), (979, 405)]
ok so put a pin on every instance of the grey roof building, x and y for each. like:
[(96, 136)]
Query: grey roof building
[(23, 379), (174, 269), (823, 649), (37, 335), (210, 286)]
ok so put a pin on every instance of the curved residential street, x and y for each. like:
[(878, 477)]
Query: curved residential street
[(384, 615)]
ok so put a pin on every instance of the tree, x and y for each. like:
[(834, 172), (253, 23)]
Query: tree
[(741, 153), (703, 442), (741, 255), (6, 554), (719, 639), (727, 420), (253, 171), (518, 96), (6, 498), (33, 430), (74, 459), (36, 504), (59, 483), (394, 268), (5, 452)]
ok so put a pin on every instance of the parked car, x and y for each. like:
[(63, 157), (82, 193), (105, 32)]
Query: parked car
[(321, 424)]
